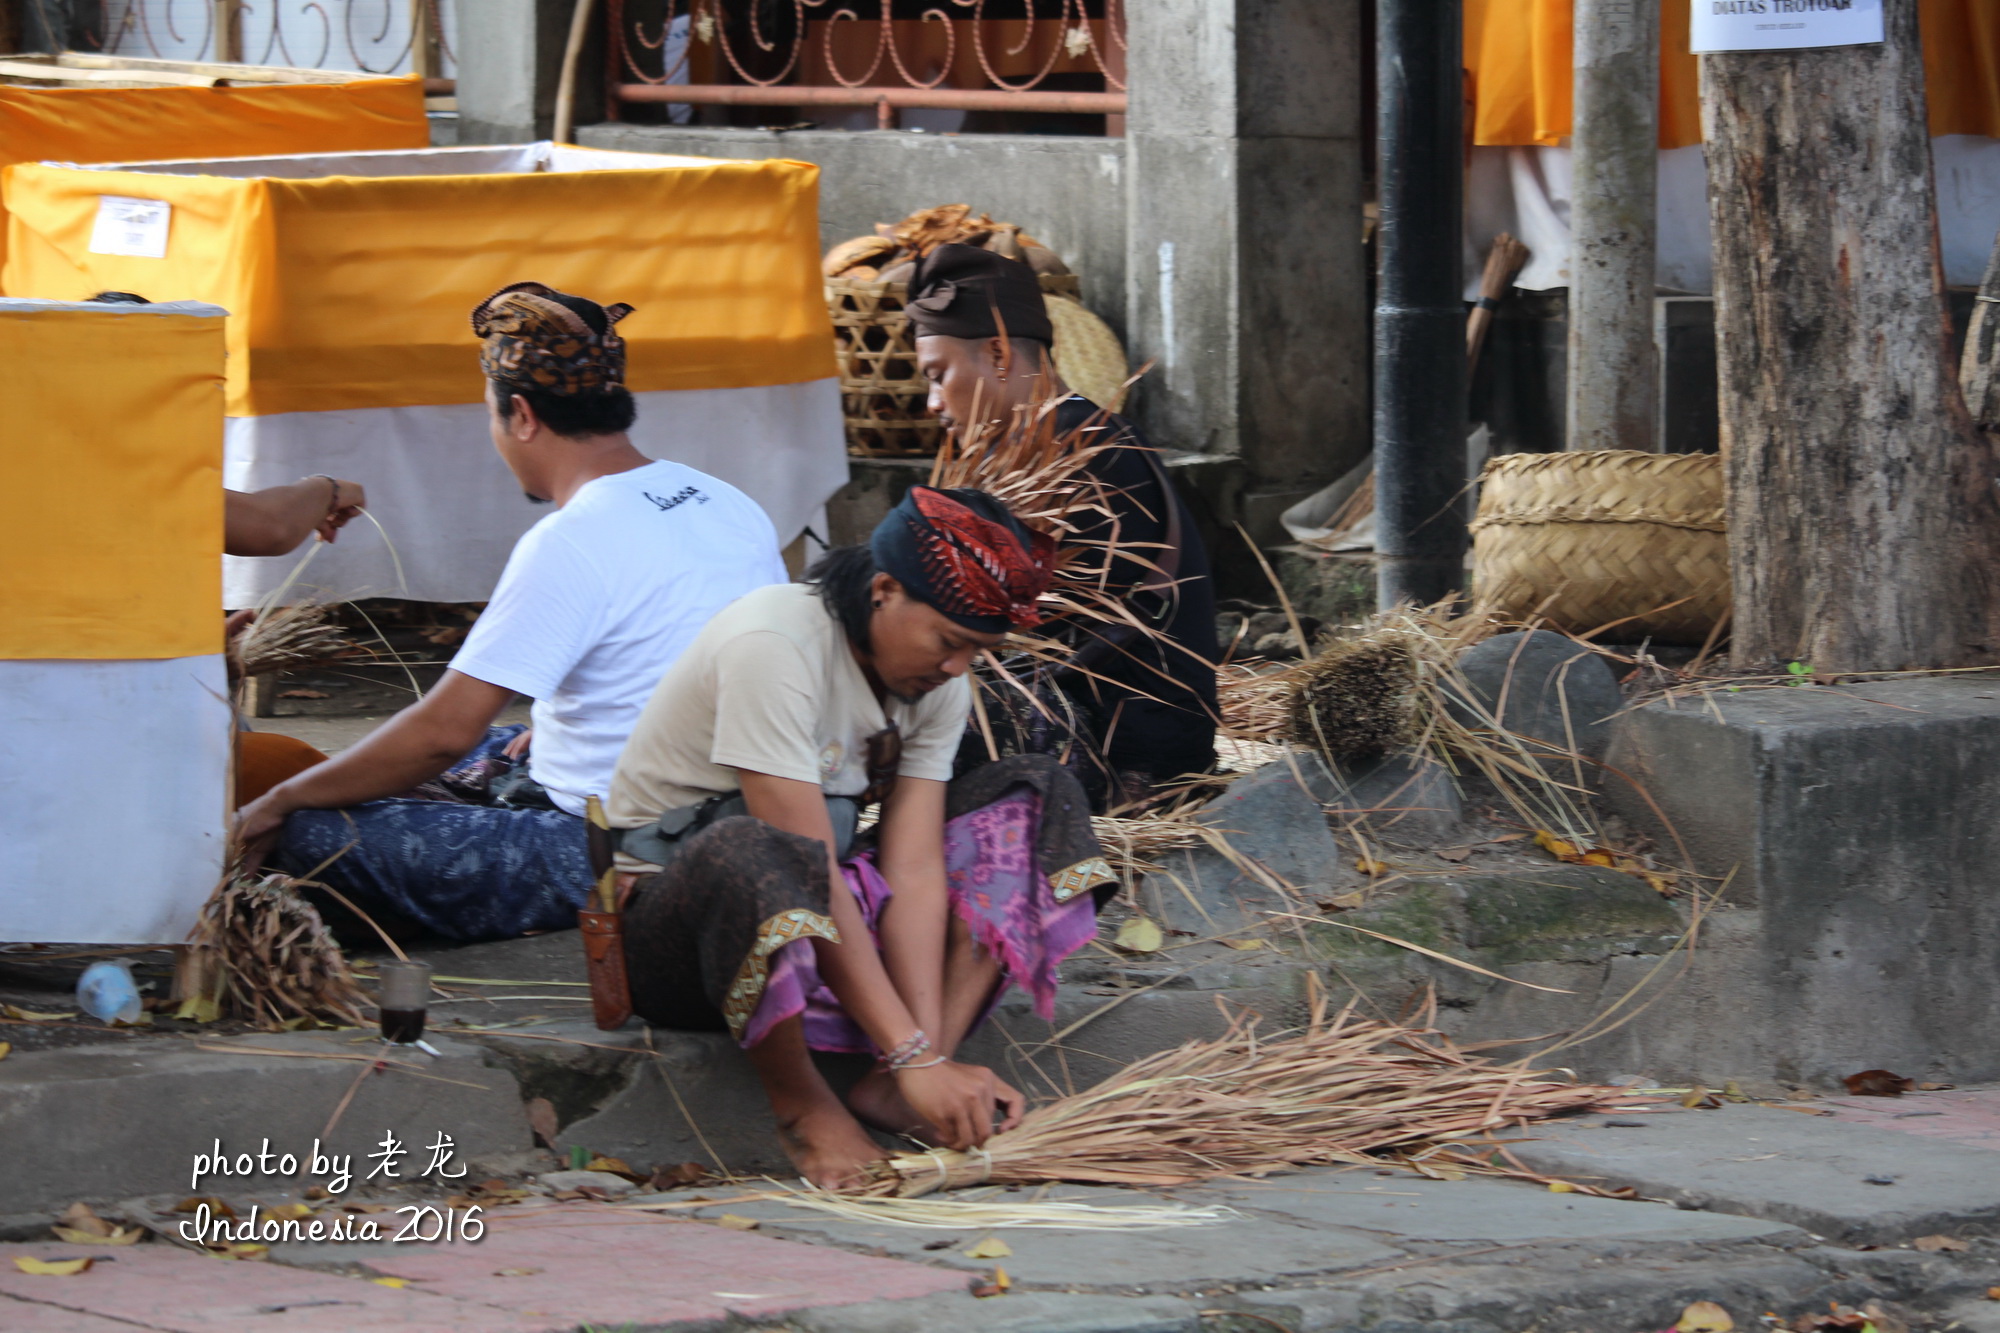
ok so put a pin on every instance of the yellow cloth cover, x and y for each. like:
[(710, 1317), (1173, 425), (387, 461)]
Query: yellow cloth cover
[(354, 292), (110, 484), (1518, 52), (150, 124)]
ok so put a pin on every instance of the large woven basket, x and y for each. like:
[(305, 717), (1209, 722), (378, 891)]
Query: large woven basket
[(1581, 540), (881, 392)]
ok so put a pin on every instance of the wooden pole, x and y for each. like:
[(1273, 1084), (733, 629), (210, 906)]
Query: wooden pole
[(1864, 521), (1614, 370), (228, 30)]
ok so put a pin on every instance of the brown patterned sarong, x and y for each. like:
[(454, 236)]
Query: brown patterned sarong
[(701, 935)]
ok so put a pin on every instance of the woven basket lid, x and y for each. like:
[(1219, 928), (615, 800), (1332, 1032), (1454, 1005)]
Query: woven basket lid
[(1087, 353), (1603, 486)]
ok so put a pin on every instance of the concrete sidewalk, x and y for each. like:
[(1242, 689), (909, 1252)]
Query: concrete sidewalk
[(1322, 1251)]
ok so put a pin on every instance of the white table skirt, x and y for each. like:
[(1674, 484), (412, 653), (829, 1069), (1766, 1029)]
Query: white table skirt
[(450, 511), (1526, 191), (117, 777)]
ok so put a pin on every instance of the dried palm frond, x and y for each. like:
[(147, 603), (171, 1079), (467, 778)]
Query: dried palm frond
[(1256, 701), (287, 638), (1340, 1090), (260, 953)]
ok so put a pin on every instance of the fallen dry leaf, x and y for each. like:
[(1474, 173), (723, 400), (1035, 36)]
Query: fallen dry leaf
[(677, 1177), (79, 1225), (79, 1217), (52, 1267), (1000, 1278), (1139, 935), (615, 1166), (1932, 1244), (291, 1211), (1345, 902), (1244, 944), (1993, 1293), (240, 1249), (5, 1046), (733, 1222), (390, 1281), (1935, 1087), (20, 1015), (516, 1272), (542, 1120), (986, 1289), (1561, 1187), (991, 1248), (1705, 1317), (1452, 853), (303, 694), (1878, 1083), (1369, 866), (216, 1207)]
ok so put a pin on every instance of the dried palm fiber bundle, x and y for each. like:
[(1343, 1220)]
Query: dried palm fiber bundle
[(261, 953), (1595, 538), (1343, 1089), (286, 638), (1355, 700)]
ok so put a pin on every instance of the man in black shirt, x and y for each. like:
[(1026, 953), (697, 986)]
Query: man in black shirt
[(984, 345)]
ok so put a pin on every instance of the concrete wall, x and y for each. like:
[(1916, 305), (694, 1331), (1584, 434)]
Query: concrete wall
[(1067, 193)]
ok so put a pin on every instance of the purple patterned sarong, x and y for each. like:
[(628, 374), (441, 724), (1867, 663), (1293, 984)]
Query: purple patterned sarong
[(995, 887)]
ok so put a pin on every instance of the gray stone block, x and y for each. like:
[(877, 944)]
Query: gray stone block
[(1543, 686), (1272, 817), (1018, 1312), (1859, 819), (1763, 1162), (1411, 800), (103, 1123)]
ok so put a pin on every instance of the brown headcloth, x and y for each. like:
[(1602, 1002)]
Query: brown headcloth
[(535, 336), (962, 291)]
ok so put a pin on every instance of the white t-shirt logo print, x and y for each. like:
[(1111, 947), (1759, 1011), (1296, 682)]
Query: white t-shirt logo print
[(679, 497)]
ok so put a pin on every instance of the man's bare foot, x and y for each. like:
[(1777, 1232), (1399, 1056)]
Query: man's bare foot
[(828, 1146), (877, 1101)]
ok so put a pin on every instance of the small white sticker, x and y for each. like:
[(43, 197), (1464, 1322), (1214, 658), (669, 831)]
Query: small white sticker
[(134, 227), (1783, 25)]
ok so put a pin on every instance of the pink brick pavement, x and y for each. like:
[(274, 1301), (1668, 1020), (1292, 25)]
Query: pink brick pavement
[(1970, 1116), (566, 1265)]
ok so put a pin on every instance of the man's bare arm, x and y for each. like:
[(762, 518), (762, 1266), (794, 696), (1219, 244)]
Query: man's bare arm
[(275, 520), (410, 748)]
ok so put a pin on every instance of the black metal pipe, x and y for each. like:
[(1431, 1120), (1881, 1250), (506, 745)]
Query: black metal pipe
[(1420, 534)]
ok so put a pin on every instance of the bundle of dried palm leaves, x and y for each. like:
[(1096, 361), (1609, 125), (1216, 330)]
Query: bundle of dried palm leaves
[(1340, 1090), (260, 953), (286, 638)]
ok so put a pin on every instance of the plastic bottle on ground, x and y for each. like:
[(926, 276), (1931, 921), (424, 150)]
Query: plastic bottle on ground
[(108, 994)]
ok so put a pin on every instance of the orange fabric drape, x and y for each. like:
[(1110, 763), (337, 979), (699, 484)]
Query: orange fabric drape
[(1518, 52)]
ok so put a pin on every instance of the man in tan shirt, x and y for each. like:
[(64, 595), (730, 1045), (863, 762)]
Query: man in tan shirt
[(798, 706)]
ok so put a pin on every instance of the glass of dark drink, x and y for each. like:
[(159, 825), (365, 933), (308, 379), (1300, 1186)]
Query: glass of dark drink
[(404, 995)]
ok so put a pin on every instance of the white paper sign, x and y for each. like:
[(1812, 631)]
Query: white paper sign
[(1783, 25), (135, 227)]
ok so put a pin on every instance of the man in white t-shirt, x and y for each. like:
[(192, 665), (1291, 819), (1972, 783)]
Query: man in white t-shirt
[(597, 601)]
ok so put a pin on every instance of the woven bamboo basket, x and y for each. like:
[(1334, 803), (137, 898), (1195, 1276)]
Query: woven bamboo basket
[(881, 392), (1580, 540)]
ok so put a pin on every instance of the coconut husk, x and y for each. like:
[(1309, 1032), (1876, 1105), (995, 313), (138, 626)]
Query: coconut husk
[(1341, 1090), (1354, 701), (260, 953)]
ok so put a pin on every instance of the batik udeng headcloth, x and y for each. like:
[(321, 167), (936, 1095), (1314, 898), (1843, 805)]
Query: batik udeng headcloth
[(533, 335), (962, 552)]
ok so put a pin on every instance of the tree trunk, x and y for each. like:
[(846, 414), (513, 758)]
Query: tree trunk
[(1863, 515)]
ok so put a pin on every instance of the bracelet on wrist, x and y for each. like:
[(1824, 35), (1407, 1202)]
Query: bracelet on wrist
[(333, 484), (931, 1063), (910, 1049)]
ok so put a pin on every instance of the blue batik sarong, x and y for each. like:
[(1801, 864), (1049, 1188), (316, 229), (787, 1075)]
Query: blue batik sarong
[(465, 871)]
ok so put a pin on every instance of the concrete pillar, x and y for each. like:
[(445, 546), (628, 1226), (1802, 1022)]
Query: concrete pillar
[(1613, 367), (1245, 274), (509, 59)]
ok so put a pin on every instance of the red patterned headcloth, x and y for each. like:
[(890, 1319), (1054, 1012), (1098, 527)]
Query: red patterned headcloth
[(962, 552)]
